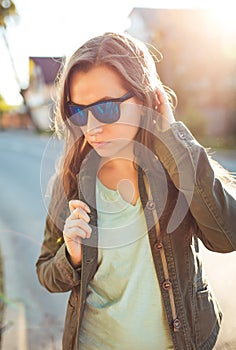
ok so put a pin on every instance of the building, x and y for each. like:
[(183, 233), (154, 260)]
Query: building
[(41, 92), (198, 64)]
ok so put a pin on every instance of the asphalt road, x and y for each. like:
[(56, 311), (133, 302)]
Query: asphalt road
[(26, 164), (22, 215)]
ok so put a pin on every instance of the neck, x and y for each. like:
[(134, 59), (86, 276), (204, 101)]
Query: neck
[(117, 164), (120, 174)]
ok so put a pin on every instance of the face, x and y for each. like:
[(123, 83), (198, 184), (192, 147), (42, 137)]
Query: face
[(99, 84)]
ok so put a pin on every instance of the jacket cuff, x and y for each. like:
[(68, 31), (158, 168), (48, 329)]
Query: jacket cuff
[(61, 259), (176, 141), (177, 134)]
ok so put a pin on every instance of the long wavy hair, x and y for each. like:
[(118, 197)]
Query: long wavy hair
[(136, 65)]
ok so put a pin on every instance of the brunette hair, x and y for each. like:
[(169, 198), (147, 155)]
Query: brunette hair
[(136, 65)]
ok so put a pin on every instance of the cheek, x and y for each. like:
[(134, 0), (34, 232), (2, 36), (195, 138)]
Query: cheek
[(122, 133), (130, 115)]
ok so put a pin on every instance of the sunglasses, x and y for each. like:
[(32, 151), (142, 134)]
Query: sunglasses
[(106, 111)]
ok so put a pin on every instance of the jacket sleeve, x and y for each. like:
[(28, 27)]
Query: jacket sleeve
[(190, 168), (53, 268)]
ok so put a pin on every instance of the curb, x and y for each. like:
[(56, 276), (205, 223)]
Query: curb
[(14, 336)]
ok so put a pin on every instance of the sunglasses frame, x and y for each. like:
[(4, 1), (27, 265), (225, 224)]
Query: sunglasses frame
[(88, 108)]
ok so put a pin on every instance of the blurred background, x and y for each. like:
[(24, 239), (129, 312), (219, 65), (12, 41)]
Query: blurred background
[(198, 42)]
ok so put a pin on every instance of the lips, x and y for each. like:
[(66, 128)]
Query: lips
[(98, 144)]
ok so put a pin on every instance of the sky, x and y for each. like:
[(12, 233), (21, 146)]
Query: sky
[(57, 28)]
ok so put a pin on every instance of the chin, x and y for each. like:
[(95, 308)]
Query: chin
[(104, 153)]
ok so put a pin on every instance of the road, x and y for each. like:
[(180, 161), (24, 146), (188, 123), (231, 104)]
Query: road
[(26, 163), (23, 211)]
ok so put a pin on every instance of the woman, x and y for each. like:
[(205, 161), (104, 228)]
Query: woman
[(133, 195)]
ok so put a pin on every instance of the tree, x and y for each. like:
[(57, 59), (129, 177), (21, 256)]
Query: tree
[(8, 10)]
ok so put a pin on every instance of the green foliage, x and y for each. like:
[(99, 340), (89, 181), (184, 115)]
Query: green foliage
[(195, 120), (218, 142)]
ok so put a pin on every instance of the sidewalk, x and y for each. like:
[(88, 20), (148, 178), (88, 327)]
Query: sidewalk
[(14, 336), (13, 313)]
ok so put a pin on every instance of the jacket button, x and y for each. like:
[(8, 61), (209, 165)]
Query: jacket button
[(166, 285), (177, 324), (158, 246), (150, 205), (181, 135)]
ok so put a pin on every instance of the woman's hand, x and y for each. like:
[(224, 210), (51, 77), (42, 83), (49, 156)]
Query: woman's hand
[(163, 107), (76, 227)]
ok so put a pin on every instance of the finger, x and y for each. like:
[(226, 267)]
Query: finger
[(157, 100), (77, 223), (76, 203), (161, 95), (75, 233), (79, 213)]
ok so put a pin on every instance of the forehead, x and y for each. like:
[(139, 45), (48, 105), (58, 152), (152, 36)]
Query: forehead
[(95, 84)]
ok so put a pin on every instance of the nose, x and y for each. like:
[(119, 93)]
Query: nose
[(93, 125)]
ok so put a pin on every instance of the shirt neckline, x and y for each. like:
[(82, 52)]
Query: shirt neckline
[(115, 194)]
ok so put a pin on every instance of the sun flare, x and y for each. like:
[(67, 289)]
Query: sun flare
[(224, 17)]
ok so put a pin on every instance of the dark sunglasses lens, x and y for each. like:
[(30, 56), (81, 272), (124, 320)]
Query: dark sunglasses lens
[(107, 112), (78, 116)]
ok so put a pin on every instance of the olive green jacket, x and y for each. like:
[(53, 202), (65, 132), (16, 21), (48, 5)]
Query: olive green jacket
[(183, 202)]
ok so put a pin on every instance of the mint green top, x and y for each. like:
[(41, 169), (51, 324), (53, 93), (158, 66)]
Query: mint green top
[(123, 308)]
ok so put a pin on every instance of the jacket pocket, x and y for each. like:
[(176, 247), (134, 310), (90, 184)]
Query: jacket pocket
[(208, 315), (71, 322)]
